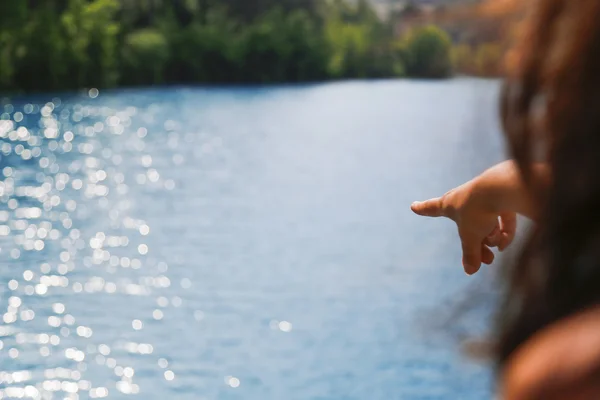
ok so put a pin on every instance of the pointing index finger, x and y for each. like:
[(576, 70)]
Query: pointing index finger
[(428, 208)]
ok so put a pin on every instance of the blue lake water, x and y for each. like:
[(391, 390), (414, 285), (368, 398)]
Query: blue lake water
[(192, 243)]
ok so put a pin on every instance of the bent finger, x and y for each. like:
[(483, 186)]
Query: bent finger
[(487, 255), (494, 239), (471, 255), (509, 229)]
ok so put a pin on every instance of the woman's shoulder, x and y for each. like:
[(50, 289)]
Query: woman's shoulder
[(560, 362)]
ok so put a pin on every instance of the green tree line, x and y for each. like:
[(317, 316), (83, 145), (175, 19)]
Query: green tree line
[(69, 44)]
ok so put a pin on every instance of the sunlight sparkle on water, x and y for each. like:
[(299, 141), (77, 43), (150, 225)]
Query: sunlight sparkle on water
[(55, 175)]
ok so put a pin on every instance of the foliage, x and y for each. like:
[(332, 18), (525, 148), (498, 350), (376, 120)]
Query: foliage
[(67, 44), (39, 51), (145, 56), (462, 58), (12, 15), (360, 43), (6, 59), (91, 34), (483, 60), (426, 52), (204, 52), (349, 46), (278, 48), (52, 47), (488, 59)]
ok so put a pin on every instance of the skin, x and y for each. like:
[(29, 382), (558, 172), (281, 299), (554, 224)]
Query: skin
[(485, 212), (561, 361)]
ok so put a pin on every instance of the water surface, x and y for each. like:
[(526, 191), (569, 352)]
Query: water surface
[(239, 243)]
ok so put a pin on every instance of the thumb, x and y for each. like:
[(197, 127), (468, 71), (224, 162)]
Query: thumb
[(428, 208)]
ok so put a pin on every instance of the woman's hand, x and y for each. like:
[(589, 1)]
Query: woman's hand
[(484, 210)]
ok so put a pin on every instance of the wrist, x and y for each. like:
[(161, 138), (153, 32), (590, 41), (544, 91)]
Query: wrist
[(502, 189)]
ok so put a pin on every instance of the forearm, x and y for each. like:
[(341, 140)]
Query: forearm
[(503, 186)]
